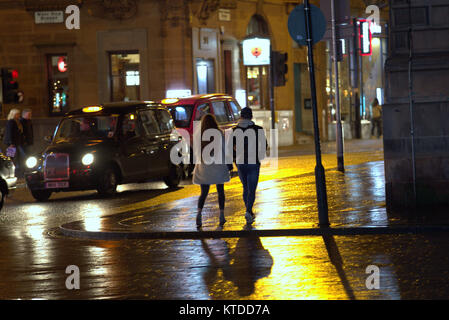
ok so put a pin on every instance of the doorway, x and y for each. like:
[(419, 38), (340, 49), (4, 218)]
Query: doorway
[(205, 75), (124, 76)]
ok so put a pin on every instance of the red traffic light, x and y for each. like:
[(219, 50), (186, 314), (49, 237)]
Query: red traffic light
[(14, 74)]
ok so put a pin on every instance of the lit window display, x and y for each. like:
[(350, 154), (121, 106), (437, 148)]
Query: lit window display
[(125, 76), (58, 83)]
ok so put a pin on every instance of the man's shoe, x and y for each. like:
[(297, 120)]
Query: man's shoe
[(249, 217), (199, 221)]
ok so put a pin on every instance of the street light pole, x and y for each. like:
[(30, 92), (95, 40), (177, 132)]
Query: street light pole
[(320, 178), (339, 131)]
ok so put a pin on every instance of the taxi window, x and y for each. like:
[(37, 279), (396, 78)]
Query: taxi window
[(149, 122), (235, 110), (202, 110), (130, 126), (182, 115), (165, 121), (221, 112), (92, 127)]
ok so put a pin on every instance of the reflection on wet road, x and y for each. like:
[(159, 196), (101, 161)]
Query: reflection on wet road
[(259, 268), (33, 263)]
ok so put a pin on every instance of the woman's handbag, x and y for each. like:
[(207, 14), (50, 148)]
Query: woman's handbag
[(11, 152)]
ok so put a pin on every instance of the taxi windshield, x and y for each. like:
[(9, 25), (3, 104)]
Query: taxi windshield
[(181, 115), (87, 127)]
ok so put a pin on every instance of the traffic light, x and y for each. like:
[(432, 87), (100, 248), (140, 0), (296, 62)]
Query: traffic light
[(10, 85), (279, 68)]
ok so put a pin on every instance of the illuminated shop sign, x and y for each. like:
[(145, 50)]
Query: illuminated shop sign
[(256, 52), (62, 65), (365, 37), (180, 93)]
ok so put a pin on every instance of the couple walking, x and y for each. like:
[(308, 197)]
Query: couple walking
[(207, 173)]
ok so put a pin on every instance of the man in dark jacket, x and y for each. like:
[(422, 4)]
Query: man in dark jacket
[(27, 131), (249, 146)]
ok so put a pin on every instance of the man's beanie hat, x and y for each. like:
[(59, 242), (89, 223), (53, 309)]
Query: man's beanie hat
[(247, 113)]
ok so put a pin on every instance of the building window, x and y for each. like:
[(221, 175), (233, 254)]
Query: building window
[(124, 76), (58, 83), (257, 87)]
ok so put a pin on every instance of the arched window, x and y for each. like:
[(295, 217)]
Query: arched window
[(257, 26)]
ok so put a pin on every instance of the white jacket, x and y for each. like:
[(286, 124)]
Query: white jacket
[(214, 173)]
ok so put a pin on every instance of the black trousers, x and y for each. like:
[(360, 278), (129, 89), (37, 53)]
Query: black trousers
[(205, 192)]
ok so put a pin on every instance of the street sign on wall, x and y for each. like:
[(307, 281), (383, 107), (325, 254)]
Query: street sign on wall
[(41, 17)]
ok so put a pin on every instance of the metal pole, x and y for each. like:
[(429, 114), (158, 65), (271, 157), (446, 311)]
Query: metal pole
[(411, 101), (320, 178), (339, 131), (272, 71)]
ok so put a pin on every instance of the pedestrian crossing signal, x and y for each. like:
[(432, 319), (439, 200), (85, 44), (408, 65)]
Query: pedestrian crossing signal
[(279, 68), (10, 86)]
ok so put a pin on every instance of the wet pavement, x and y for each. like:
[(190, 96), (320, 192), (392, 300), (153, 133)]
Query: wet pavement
[(284, 207), (242, 264)]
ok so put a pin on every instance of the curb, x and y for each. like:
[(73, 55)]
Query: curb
[(188, 235)]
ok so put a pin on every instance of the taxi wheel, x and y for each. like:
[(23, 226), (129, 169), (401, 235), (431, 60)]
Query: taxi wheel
[(174, 177), (108, 182), (41, 195)]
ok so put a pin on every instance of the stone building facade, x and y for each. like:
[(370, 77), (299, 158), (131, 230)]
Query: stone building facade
[(161, 44), (149, 49), (417, 105)]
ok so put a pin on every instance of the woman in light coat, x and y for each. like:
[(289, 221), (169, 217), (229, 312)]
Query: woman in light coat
[(14, 138), (211, 169)]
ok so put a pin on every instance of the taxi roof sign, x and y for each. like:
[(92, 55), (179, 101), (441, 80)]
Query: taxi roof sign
[(92, 109), (170, 100)]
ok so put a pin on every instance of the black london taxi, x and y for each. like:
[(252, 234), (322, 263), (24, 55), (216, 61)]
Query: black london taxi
[(99, 147)]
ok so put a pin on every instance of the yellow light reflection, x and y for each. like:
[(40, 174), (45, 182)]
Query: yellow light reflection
[(34, 213), (293, 276), (92, 214), (269, 202), (274, 268)]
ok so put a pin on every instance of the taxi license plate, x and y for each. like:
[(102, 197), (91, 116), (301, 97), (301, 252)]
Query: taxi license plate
[(59, 184)]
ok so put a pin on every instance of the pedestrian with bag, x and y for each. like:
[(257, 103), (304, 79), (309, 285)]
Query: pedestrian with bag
[(377, 118), (211, 168), (28, 134), (14, 140), (248, 145)]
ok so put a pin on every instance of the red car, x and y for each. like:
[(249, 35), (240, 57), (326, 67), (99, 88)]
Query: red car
[(189, 109)]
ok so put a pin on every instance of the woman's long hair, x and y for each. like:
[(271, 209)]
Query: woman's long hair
[(12, 113), (208, 121)]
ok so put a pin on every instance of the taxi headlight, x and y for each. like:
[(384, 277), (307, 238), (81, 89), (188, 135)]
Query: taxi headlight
[(87, 159), (31, 162)]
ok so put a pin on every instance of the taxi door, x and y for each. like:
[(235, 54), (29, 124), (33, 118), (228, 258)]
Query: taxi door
[(222, 114), (167, 127), (133, 146), (153, 150)]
